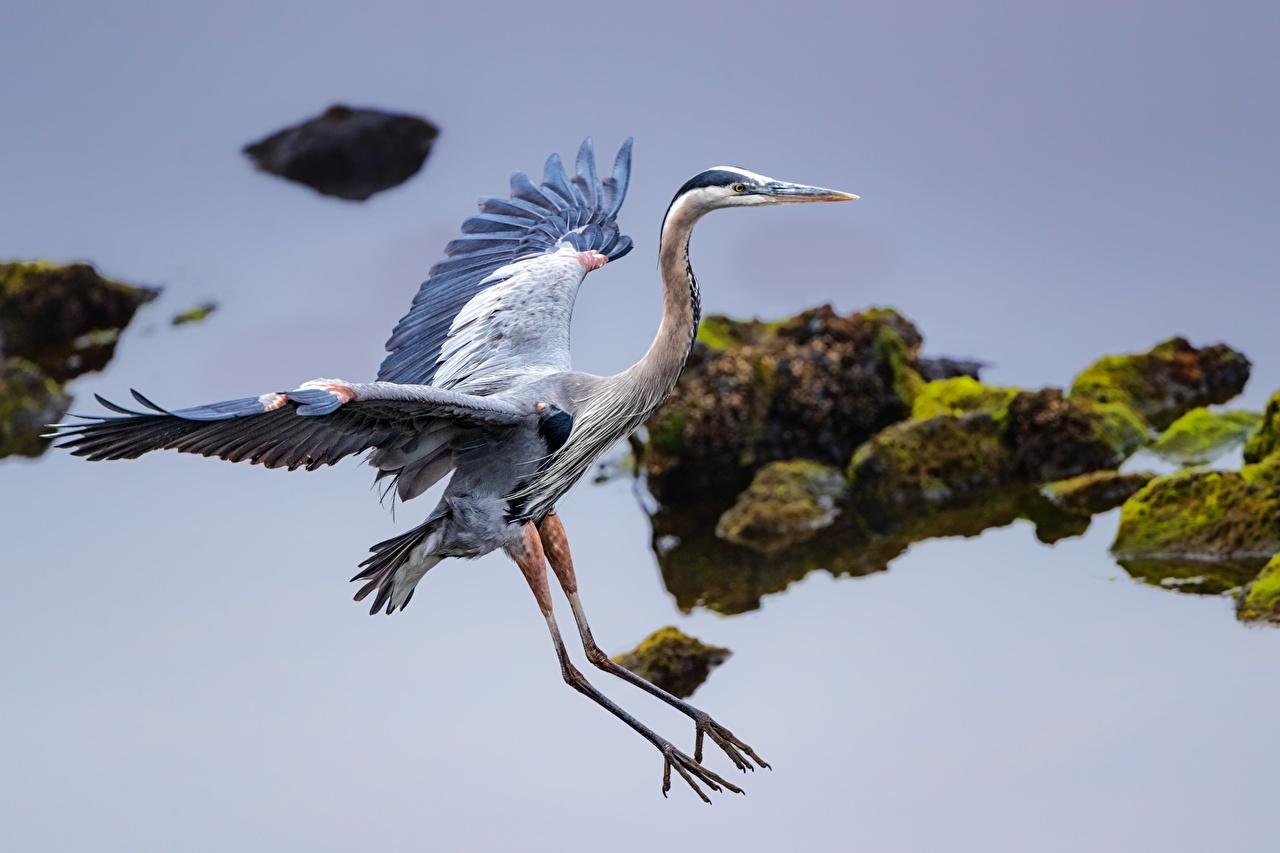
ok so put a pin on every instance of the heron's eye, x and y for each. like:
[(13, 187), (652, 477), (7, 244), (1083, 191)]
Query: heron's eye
[(739, 188)]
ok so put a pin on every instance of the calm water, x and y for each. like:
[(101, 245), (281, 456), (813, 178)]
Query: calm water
[(182, 667)]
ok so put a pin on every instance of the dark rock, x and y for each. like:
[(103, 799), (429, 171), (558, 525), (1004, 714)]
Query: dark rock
[(1097, 491), (346, 152), (64, 318), (1054, 438), (29, 402), (812, 387), (673, 660), (942, 367), (1165, 382)]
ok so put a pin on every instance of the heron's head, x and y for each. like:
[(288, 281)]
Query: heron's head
[(730, 186)]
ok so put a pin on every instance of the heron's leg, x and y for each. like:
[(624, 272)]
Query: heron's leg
[(555, 544), (529, 556)]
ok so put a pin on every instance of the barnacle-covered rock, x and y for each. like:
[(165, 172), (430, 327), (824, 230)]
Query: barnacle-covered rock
[(1260, 601), (347, 152), (673, 660), (1266, 440), (787, 502), (1097, 491), (814, 386), (64, 318), (1165, 382), (1204, 515), (29, 402)]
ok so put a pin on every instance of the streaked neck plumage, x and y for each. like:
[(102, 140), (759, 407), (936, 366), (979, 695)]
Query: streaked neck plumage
[(656, 373)]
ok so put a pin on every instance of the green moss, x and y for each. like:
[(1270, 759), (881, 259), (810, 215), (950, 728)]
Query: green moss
[(1119, 426), (894, 352), (1261, 599), (717, 332), (29, 402), (1266, 440), (666, 434), (196, 314), (673, 661), (786, 503), (958, 396), (1201, 435), (1097, 491), (1206, 515)]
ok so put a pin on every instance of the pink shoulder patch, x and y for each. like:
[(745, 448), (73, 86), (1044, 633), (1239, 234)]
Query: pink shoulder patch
[(592, 260)]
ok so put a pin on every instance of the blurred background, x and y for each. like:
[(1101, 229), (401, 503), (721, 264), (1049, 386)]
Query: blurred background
[(1041, 183)]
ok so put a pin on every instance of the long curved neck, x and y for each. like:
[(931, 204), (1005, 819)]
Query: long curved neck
[(660, 367)]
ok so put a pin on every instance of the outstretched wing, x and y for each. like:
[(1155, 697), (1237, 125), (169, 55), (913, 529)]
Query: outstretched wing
[(304, 428), (500, 301)]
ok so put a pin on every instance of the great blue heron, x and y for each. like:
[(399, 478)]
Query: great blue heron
[(477, 382)]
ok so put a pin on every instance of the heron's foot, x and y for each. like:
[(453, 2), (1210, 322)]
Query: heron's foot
[(739, 752), (692, 772)]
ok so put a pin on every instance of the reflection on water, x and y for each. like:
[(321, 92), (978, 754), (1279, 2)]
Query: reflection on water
[(702, 570)]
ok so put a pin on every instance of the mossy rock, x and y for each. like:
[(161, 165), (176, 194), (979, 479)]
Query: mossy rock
[(1031, 437), (787, 502), (1260, 601), (813, 386), (1201, 435), (1266, 440), (29, 402), (1165, 382), (1097, 491), (933, 463), (64, 318), (673, 660), (1204, 515), (961, 395), (1054, 438)]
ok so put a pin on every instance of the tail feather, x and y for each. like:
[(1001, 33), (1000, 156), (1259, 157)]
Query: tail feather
[(396, 565)]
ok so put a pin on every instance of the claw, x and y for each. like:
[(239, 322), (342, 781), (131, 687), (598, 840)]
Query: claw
[(692, 772), (728, 743)]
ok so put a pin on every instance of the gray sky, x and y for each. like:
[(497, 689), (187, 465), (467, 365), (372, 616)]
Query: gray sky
[(1041, 183)]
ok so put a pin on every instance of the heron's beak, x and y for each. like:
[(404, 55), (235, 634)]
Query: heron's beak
[(781, 191)]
